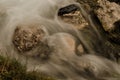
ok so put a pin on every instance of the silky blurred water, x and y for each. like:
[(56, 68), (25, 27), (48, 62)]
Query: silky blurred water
[(63, 64)]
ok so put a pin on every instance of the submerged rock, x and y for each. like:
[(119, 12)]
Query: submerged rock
[(72, 15)]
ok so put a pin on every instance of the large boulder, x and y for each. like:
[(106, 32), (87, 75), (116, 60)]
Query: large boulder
[(29, 40), (27, 37), (108, 13), (72, 15)]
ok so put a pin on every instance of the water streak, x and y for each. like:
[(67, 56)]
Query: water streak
[(63, 63)]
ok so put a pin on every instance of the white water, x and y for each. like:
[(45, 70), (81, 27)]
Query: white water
[(63, 63)]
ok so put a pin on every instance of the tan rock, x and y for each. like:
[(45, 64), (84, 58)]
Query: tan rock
[(75, 19), (28, 36), (108, 13)]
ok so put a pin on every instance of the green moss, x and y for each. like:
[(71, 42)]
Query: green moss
[(11, 69)]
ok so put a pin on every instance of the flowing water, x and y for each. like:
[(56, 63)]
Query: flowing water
[(63, 64)]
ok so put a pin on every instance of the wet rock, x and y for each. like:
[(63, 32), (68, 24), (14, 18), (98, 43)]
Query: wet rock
[(62, 42), (67, 9), (96, 66), (108, 13), (81, 50), (116, 1), (72, 15), (29, 40), (65, 44), (42, 51), (88, 4), (27, 37), (75, 18)]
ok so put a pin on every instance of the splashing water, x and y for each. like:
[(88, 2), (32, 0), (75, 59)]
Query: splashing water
[(63, 63)]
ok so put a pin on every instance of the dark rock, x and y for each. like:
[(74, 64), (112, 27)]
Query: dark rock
[(116, 1), (67, 9)]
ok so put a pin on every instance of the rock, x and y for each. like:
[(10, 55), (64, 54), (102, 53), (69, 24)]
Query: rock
[(108, 13), (29, 40), (81, 50), (67, 9), (62, 42), (75, 18), (114, 35), (26, 37), (65, 44), (88, 3), (116, 1), (72, 15)]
